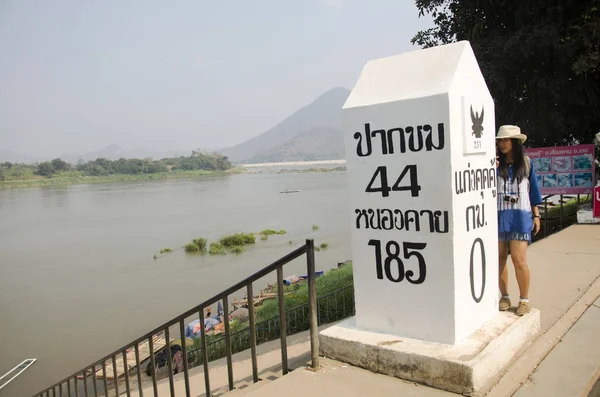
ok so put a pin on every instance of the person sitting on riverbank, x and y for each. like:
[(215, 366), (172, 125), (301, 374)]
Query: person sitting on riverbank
[(192, 330)]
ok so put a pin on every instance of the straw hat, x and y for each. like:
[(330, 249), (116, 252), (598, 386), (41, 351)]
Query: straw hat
[(511, 131)]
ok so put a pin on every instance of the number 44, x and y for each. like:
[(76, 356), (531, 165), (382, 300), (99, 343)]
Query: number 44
[(385, 189)]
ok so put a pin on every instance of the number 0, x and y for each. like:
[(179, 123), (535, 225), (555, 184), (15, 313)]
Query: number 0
[(482, 248)]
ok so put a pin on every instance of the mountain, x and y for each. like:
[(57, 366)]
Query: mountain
[(313, 132), (115, 152), (141, 153), (111, 152), (14, 157), (320, 143), (323, 113)]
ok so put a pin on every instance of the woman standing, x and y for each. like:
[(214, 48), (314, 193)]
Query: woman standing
[(518, 214)]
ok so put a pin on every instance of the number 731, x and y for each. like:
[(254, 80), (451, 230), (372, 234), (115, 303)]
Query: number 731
[(392, 250)]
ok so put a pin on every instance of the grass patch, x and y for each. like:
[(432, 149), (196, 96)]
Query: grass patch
[(331, 308), (331, 281), (269, 232), (217, 249), (191, 247), (238, 239), (77, 178), (238, 249), (551, 223), (236, 243), (200, 243), (569, 208), (197, 245)]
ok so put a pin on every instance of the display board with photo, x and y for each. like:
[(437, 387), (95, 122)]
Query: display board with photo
[(564, 169)]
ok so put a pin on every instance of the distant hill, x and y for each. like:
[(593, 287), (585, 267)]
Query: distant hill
[(115, 152), (111, 152), (323, 114), (14, 157), (320, 143), (141, 153), (313, 132)]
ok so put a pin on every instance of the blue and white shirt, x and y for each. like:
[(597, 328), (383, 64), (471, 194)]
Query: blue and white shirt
[(516, 217)]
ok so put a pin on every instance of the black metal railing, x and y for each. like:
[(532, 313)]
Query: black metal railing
[(332, 307), (118, 360), (556, 218)]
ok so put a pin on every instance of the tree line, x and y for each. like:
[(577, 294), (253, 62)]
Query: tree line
[(123, 166), (540, 59)]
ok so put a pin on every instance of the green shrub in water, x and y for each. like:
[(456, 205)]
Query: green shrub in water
[(200, 243), (217, 249), (324, 246), (264, 237), (191, 247), (165, 250), (315, 227), (238, 239), (238, 249), (197, 245), (268, 232)]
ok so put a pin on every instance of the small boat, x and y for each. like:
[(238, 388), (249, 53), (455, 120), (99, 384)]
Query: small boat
[(290, 191), (16, 371)]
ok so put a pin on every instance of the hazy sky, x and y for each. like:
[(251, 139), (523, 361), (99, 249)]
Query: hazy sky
[(76, 75)]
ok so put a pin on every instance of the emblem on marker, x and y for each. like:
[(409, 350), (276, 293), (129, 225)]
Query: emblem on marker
[(477, 120)]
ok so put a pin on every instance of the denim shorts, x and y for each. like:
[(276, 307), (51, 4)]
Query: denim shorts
[(510, 236)]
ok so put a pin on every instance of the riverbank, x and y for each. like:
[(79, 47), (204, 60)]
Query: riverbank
[(335, 301), (73, 178)]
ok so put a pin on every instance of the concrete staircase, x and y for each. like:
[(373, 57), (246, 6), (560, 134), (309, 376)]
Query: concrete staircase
[(269, 365)]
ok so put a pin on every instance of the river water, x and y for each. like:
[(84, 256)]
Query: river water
[(77, 274)]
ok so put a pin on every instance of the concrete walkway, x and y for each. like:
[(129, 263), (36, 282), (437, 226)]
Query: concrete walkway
[(565, 270), (580, 348)]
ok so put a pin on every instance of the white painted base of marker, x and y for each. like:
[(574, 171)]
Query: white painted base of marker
[(469, 367)]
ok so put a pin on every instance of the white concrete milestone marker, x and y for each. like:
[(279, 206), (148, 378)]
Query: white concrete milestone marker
[(420, 147), (420, 150)]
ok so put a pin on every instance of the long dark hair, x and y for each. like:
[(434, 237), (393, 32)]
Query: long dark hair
[(519, 170)]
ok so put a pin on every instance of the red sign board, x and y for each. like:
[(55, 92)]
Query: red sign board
[(564, 169), (597, 202)]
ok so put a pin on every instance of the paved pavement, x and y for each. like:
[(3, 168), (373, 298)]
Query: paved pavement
[(581, 350), (565, 271)]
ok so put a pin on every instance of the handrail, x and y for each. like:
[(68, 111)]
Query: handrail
[(307, 248), (267, 328)]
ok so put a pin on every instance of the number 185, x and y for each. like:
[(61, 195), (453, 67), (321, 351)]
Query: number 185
[(392, 250)]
